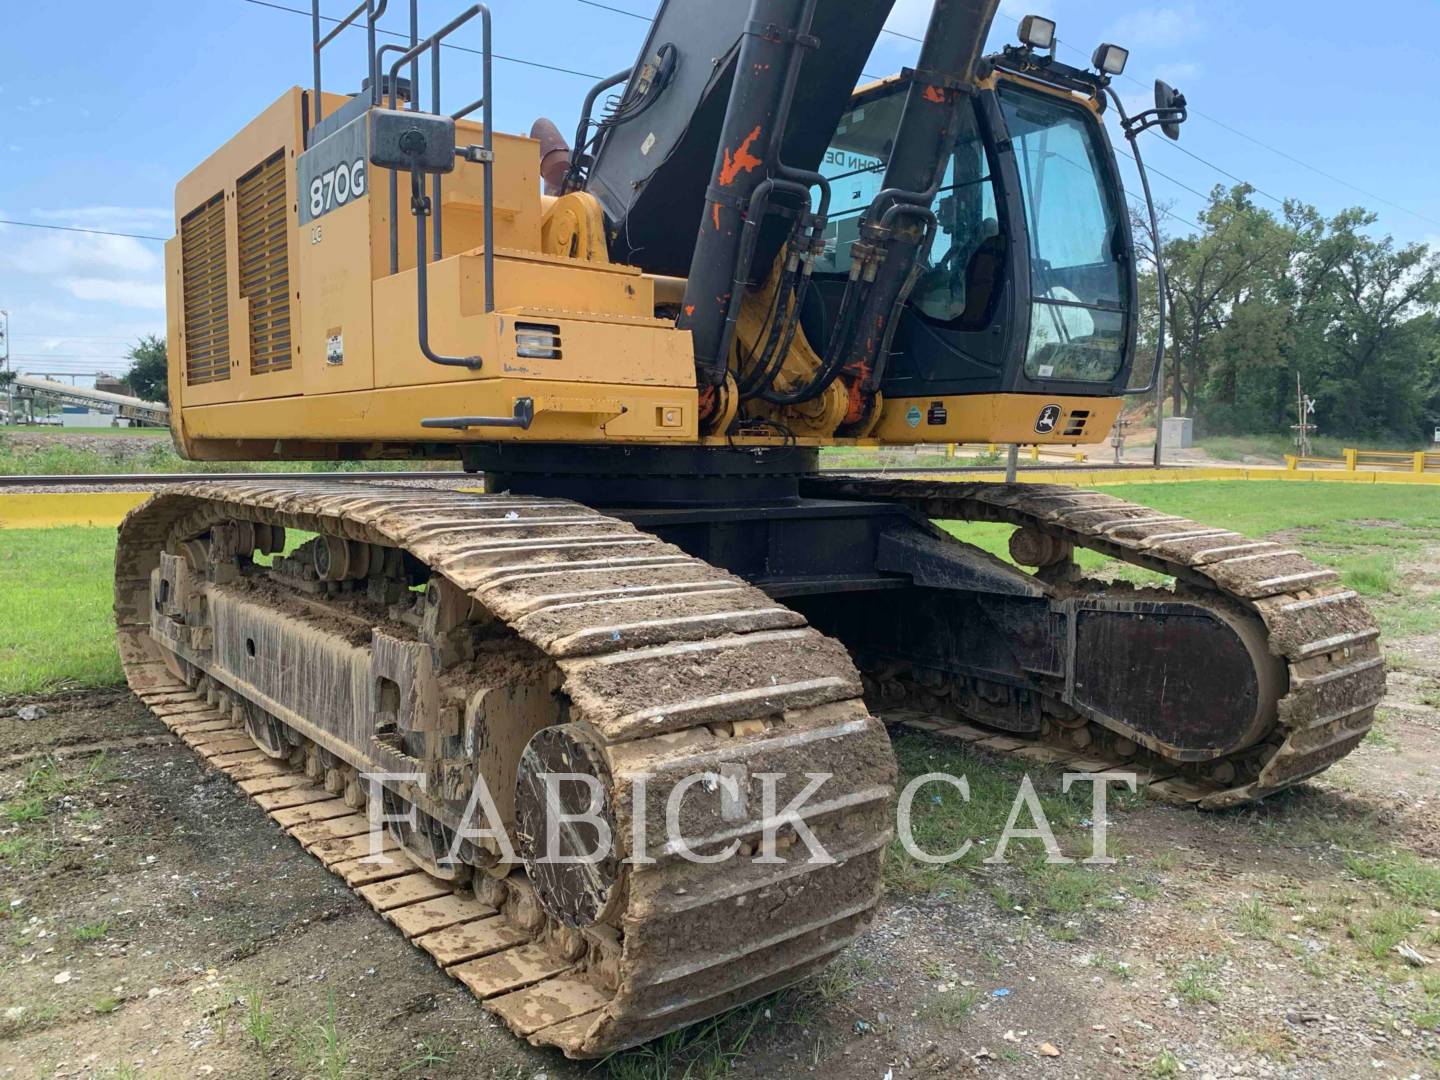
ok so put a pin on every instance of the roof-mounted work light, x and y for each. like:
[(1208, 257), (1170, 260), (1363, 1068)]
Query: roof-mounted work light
[(1111, 59), (1037, 32)]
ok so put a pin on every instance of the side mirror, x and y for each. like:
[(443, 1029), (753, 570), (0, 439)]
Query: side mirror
[(1171, 105), (412, 141)]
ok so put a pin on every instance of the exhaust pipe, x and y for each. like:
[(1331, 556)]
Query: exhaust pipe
[(554, 154)]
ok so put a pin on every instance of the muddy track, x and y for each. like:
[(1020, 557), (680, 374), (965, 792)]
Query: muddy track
[(662, 665), (1323, 633)]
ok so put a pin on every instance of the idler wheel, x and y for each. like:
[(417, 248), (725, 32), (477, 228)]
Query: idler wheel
[(576, 871)]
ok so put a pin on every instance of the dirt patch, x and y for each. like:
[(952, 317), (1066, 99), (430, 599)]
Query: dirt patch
[(196, 939), (163, 905)]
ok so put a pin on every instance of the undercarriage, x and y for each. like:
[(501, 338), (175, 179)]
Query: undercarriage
[(417, 643)]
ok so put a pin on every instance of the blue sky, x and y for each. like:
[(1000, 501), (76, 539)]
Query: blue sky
[(103, 107)]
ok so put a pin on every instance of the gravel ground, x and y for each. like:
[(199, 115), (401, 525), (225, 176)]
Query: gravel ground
[(164, 906)]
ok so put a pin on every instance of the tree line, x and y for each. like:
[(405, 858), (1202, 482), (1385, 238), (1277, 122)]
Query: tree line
[(1258, 297)]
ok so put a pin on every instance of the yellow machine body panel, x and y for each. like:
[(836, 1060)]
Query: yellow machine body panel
[(998, 418), (352, 375), (294, 339)]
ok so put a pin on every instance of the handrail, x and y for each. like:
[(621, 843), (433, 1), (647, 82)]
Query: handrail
[(486, 157), (373, 10)]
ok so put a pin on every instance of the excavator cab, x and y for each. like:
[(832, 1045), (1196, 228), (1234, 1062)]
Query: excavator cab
[(1029, 284)]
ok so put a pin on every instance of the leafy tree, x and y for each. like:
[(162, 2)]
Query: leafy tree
[(148, 369), (1258, 298), (1225, 274)]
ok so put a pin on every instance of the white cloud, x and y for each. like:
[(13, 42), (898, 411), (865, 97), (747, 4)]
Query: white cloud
[(62, 254), (73, 286), (130, 294), (1156, 28)]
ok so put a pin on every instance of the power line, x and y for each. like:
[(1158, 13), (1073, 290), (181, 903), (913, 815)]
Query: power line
[(1317, 170), (1163, 211), (77, 337), (1239, 180), (616, 10), (78, 229), (912, 38), (68, 357), (651, 19), (447, 45), (1261, 143), (1167, 176)]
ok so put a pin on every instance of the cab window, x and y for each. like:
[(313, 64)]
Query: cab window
[(1078, 282)]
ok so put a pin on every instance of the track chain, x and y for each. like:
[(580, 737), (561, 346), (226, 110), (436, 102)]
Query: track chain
[(1322, 631), (671, 667)]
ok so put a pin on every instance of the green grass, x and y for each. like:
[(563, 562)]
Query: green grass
[(57, 628), (951, 1007), (118, 432), (1364, 531), (704, 1051), (1195, 984), (20, 811), (90, 931), (1120, 969), (321, 1048), (942, 821), (1164, 1065), (56, 456), (1380, 931), (35, 842), (259, 1022), (1403, 875), (1255, 919), (1258, 507), (29, 851), (430, 1054)]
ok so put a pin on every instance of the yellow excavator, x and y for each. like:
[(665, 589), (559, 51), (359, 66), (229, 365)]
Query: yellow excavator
[(643, 338)]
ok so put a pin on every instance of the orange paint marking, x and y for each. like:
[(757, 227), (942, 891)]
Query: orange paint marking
[(743, 161), (689, 309), (935, 95), (717, 216)]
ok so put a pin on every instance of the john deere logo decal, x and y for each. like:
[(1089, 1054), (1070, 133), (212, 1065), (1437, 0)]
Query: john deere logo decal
[(1049, 417)]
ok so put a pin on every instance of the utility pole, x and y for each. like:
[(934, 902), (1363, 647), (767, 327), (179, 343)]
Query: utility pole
[(1159, 458), (10, 381)]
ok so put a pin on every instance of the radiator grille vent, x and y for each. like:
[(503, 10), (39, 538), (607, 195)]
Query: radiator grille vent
[(203, 279), (265, 262)]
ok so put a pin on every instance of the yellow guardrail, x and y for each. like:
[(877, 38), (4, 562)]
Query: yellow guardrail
[(52, 509), (1413, 461)]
